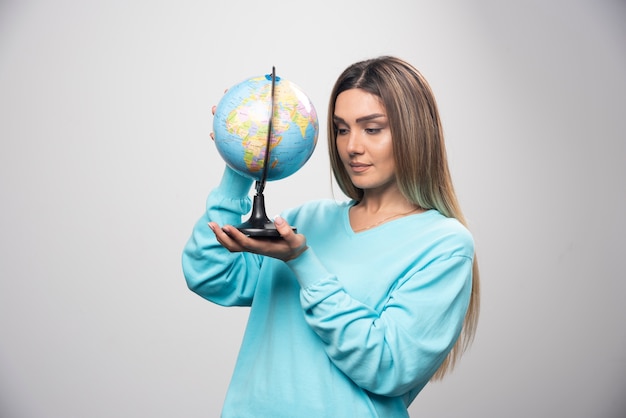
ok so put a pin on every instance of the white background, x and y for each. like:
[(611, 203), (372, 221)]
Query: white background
[(105, 163)]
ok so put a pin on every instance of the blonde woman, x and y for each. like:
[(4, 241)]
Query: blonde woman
[(375, 296)]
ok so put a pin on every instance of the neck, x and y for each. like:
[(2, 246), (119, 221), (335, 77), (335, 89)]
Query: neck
[(374, 210), (389, 200)]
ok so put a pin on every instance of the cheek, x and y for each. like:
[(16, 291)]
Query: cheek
[(341, 150), (387, 159), (385, 150)]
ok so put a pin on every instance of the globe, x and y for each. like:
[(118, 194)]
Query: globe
[(241, 122)]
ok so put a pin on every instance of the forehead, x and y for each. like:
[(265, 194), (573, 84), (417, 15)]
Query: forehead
[(354, 103)]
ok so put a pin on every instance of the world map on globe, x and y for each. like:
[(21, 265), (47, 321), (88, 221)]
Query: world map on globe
[(241, 123)]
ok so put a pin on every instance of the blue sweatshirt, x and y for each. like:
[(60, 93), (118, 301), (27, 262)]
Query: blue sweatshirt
[(353, 327)]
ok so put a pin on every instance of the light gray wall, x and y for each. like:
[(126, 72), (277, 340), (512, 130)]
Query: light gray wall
[(105, 162)]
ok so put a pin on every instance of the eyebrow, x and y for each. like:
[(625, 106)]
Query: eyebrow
[(361, 119)]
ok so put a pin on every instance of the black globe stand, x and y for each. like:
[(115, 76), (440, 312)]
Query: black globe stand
[(259, 225)]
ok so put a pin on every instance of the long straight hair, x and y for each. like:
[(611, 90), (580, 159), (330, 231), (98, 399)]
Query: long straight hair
[(422, 172)]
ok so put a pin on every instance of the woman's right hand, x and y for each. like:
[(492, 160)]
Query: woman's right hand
[(213, 109)]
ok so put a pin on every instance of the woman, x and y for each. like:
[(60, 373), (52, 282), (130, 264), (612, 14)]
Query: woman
[(375, 296)]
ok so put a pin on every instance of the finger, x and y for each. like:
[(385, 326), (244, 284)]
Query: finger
[(222, 236), (213, 110), (295, 241), (283, 228), (236, 238), (271, 248)]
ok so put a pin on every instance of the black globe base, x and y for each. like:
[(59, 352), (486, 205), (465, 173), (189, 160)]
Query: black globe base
[(259, 225)]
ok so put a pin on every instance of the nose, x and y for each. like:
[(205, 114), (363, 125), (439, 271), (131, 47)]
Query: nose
[(354, 145)]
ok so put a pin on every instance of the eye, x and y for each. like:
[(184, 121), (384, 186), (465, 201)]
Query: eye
[(342, 131), (373, 131)]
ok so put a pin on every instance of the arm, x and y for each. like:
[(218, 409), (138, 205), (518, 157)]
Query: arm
[(212, 271), (399, 348)]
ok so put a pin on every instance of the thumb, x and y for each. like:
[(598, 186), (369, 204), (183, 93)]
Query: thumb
[(282, 226), (297, 242), (284, 229)]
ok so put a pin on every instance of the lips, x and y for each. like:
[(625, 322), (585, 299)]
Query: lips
[(358, 167)]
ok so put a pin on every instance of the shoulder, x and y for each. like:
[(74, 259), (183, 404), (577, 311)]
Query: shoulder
[(447, 235)]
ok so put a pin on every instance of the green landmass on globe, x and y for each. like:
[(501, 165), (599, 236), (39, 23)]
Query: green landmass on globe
[(241, 122)]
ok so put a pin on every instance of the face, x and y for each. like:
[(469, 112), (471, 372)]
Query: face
[(364, 140)]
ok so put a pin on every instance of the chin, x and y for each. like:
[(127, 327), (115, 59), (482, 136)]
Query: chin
[(372, 184), (365, 185)]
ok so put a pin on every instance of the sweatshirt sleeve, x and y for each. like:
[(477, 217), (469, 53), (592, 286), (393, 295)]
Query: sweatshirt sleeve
[(210, 270), (392, 351)]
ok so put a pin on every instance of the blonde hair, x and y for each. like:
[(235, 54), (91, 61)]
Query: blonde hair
[(419, 151)]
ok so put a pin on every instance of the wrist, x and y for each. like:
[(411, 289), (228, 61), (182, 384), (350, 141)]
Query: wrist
[(237, 185), (297, 253)]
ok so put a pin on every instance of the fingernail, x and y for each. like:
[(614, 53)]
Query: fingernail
[(278, 220)]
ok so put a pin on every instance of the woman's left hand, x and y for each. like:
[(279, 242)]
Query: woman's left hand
[(289, 247)]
